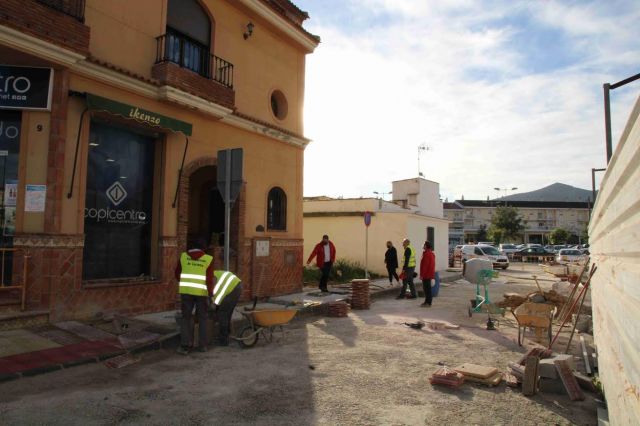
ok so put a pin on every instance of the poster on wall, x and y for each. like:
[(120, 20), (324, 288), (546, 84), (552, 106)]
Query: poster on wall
[(10, 193), (9, 225), (35, 197)]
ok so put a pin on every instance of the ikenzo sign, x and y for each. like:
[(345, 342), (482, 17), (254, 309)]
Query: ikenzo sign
[(25, 87)]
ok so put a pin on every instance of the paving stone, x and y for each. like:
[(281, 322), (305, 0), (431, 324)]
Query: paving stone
[(13, 342), (547, 368), (85, 331)]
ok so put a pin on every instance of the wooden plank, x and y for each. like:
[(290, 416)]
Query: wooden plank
[(585, 355), (478, 371), (569, 380), (530, 380)]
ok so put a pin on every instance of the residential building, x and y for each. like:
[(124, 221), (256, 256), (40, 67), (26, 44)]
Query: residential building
[(112, 115), (538, 217), (415, 212), (615, 293)]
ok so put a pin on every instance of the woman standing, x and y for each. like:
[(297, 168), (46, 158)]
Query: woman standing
[(427, 272), (391, 260)]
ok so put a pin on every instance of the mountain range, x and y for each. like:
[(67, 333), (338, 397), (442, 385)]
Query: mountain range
[(554, 192)]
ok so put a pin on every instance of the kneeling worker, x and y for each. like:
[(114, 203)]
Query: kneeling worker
[(225, 298), (195, 275)]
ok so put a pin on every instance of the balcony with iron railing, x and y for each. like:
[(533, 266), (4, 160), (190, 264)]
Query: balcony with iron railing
[(188, 65), (58, 22), (73, 8)]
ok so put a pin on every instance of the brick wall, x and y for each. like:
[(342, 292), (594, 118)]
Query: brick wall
[(55, 281), (38, 20), (181, 78)]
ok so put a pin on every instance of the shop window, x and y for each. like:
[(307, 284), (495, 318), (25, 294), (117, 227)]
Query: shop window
[(119, 202), (277, 210), (10, 122)]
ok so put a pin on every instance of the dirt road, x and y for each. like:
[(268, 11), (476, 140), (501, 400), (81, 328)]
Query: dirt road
[(367, 369)]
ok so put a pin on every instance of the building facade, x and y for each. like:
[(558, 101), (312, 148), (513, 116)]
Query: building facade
[(539, 218), (112, 116), (343, 221)]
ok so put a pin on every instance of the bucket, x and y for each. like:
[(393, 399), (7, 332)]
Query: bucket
[(436, 287)]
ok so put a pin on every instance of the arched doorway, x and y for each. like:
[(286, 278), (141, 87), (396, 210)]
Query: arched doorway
[(206, 207), (201, 211)]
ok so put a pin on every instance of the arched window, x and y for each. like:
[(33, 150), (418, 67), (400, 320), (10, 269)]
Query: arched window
[(277, 210), (188, 41)]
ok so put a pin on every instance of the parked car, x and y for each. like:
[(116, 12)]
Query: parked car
[(508, 249), (570, 255), (532, 251), (485, 252)]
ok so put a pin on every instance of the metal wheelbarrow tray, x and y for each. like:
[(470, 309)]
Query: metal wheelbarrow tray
[(538, 316), (263, 323)]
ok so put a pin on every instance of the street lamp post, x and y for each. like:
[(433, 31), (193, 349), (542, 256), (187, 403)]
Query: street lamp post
[(607, 110), (506, 190), (381, 194)]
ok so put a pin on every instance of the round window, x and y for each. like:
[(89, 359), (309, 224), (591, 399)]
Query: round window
[(279, 105)]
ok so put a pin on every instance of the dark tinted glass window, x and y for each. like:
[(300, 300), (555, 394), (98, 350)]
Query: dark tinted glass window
[(10, 122), (118, 206), (188, 17), (277, 210)]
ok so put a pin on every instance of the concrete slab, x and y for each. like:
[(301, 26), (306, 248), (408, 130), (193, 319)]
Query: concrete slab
[(137, 338), (547, 368), (164, 318), (13, 342)]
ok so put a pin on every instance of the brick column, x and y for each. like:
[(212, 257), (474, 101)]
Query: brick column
[(55, 162)]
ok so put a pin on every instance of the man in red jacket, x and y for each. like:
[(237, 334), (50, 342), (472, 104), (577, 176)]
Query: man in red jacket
[(427, 272), (325, 254)]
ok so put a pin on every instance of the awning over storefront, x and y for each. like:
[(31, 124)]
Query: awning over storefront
[(131, 112)]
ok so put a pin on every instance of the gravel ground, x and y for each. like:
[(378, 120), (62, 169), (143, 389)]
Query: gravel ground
[(367, 369)]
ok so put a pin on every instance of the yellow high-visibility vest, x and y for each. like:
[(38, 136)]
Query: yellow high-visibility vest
[(193, 275), (226, 282), (412, 258)]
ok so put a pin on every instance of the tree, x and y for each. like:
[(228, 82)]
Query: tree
[(481, 235), (584, 235), (507, 221), (495, 235), (559, 236)]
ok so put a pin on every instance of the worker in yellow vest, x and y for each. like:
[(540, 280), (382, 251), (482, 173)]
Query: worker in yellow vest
[(408, 268), (195, 285), (225, 297)]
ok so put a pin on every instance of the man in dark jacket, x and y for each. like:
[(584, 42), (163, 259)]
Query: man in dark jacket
[(391, 260), (325, 254)]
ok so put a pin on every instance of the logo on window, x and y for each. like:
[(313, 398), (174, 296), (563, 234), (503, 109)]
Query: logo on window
[(116, 193)]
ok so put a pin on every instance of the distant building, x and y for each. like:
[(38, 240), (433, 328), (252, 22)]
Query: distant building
[(539, 218), (415, 212)]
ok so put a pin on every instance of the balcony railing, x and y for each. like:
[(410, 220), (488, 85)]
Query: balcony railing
[(192, 55), (73, 8)]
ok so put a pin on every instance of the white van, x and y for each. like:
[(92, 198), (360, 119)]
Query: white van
[(485, 252)]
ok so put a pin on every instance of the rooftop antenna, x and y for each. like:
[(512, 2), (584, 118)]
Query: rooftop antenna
[(422, 147)]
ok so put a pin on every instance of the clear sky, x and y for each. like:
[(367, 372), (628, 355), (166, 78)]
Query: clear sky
[(505, 93)]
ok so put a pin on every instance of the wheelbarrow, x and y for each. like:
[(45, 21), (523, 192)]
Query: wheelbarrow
[(536, 316), (263, 323)]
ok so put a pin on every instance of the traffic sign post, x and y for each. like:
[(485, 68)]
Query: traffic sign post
[(367, 222), (229, 182)]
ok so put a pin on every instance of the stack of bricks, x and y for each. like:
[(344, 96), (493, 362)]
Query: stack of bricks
[(338, 309), (360, 294)]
